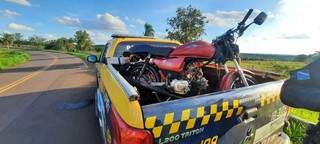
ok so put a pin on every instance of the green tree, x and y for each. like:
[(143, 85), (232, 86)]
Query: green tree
[(7, 40), (82, 38), (148, 30), (37, 41), (187, 25), (66, 44), (61, 44), (51, 44), (301, 58), (18, 39)]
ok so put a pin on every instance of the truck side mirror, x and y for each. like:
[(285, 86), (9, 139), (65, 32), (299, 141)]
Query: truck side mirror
[(92, 59)]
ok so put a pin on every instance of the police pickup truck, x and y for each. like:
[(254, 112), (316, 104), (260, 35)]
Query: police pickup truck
[(252, 114)]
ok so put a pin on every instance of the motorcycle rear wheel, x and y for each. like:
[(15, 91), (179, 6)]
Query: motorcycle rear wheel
[(149, 75)]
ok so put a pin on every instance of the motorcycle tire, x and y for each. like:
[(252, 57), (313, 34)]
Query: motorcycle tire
[(232, 80), (148, 96), (237, 81), (150, 74)]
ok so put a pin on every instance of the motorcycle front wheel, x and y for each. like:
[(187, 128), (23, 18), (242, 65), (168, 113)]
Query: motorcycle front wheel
[(237, 81)]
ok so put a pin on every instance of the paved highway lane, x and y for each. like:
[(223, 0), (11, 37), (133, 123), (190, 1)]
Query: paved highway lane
[(48, 101)]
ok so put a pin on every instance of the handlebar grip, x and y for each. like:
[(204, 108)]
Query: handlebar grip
[(247, 16)]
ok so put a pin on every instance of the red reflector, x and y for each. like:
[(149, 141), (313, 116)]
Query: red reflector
[(124, 134)]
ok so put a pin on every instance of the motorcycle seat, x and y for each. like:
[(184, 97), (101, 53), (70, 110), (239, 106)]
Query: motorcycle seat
[(152, 50)]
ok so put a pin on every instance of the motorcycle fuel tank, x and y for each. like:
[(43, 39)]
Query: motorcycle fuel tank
[(197, 49), (170, 64)]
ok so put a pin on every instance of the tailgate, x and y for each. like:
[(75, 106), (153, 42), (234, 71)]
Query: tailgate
[(244, 115)]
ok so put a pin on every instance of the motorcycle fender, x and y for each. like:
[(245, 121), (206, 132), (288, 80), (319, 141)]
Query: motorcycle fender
[(226, 81)]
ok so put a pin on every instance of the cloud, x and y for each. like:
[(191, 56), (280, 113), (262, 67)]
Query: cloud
[(108, 23), (66, 20), (139, 21), (295, 36), (104, 22), (227, 18), (9, 13), (294, 30), (162, 35), (19, 27), (20, 2), (126, 18), (98, 37), (48, 36), (135, 20)]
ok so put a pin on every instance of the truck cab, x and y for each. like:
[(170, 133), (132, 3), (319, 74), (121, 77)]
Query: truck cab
[(252, 114)]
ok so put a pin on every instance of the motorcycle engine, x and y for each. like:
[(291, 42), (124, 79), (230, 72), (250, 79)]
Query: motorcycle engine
[(192, 80), (180, 86), (194, 75)]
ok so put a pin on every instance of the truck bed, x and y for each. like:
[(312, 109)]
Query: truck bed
[(244, 115), (227, 117)]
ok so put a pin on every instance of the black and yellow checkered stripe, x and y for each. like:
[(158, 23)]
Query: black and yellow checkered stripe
[(187, 122), (268, 98)]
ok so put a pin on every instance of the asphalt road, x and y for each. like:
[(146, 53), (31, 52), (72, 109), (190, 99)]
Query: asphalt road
[(49, 100)]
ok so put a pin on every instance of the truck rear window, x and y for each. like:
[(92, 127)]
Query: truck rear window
[(125, 46)]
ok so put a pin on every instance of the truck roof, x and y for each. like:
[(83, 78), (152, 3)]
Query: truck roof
[(130, 36)]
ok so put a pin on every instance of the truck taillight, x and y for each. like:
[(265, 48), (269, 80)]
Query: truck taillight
[(124, 134)]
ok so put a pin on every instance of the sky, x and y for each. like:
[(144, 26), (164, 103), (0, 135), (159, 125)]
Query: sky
[(292, 27)]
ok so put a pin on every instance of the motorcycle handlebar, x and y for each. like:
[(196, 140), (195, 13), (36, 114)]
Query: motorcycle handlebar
[(246, 17), (241, 27)]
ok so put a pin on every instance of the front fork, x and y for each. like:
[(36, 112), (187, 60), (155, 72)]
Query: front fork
[(234, 59), (242, 76), (240, 72)]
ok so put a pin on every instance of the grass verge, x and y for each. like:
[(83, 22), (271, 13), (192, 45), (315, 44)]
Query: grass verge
[(10, 58), (281, 67)]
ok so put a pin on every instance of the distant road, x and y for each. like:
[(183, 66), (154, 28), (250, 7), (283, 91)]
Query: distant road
[(48, 101)]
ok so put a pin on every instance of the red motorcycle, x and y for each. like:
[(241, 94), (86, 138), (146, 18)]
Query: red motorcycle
[(178, 71)]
